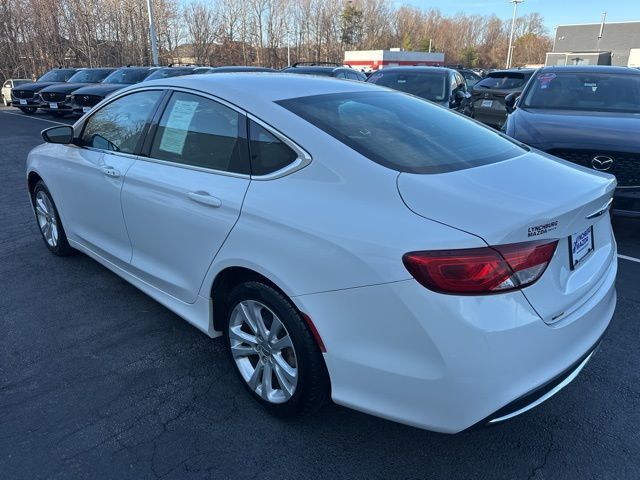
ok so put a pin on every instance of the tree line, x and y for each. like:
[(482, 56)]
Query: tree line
[(36, 35)]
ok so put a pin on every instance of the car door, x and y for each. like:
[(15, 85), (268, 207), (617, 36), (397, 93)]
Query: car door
[(181, 201), (6, 90), (92, 174)]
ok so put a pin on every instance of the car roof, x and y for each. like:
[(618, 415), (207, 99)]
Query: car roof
[(253, 90), (418, 68), (311, 68), (590, 69)]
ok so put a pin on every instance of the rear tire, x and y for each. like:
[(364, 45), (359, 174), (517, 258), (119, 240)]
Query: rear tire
[(274, 352), (28, 110), (49, 221)]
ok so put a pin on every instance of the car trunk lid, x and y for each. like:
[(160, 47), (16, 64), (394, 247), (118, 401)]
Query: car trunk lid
[(531, 197)]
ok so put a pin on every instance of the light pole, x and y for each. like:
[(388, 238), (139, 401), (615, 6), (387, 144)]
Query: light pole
[(152, 33), (513, 28)]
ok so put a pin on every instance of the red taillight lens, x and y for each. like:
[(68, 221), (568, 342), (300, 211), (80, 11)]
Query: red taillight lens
[(484, 270)]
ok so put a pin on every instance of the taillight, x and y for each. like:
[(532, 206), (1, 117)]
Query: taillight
[(486, 270)]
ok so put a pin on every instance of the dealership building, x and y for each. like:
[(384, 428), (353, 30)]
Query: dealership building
[(371, 60), (615, 43)]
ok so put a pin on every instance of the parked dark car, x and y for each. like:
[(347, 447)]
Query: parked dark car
[(470, 77), (589, 115), (27, 97), (489, 93), (168, 72), (326, 69), (443, 86), (85, 98), (56, 98)]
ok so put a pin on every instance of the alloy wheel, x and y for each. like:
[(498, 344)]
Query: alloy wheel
[(263, 351), (46, 218)]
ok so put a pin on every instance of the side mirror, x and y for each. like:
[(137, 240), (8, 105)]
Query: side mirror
[(456, 98), (510, 101), (60, 134)]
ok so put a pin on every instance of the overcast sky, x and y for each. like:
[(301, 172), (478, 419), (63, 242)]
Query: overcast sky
[(555, 12)]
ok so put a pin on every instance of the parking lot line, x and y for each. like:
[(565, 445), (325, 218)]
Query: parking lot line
[(34, 118), (631, 259)]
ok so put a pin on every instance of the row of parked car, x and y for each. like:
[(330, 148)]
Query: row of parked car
[(76, 91), (587, 115)]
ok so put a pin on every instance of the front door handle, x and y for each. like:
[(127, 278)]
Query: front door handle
[(110, 172), (205, 199)]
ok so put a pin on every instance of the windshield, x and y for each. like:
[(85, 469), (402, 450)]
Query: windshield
[(403, 132), (503, 80), (90, 76), (428, 85), (169, 72), (127, 75), (585, 91), (20, 82), (57, 75)]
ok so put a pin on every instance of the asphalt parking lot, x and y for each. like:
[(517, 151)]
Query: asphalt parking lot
[(98, 381)]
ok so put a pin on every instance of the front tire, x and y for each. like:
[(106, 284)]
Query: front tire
[(49, 221), (274, 353)]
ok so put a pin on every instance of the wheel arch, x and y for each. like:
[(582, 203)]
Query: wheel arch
[(227, 279), (32, 179)]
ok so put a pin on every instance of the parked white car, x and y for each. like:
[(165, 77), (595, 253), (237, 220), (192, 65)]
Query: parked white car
[(8, 85), (346, 239)]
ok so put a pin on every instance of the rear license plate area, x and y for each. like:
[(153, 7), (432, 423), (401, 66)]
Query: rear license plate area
[(580, 247)]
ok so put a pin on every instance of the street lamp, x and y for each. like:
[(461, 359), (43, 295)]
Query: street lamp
[(152, 33), (513, 27)]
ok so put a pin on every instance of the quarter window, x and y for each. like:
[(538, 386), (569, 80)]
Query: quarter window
[(200, 132), (268, 154), (119, 125)]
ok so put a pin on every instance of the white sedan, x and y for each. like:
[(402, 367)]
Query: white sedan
[(347, 240)]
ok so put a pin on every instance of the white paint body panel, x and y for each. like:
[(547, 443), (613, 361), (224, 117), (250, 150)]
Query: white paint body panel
[(332, 234)]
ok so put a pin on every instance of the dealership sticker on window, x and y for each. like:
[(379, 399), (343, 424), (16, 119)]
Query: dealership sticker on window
[(176, 129), (545, 79)]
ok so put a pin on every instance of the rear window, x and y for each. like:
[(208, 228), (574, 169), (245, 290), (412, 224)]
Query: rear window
[(432, 86), (403, 132), (503, 80)]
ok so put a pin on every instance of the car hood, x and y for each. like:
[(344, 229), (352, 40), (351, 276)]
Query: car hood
[(100, 89), (37, 86), (64, 87), (546, 130), (505, 201)]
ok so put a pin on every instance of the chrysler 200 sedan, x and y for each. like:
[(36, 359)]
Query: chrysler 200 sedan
[(347, 240)]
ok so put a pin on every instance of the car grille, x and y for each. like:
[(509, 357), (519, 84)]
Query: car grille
[(625, 166), (22, 93), (87, 100), (53, 97)]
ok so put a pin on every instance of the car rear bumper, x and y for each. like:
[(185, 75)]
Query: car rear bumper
[(444, 362), (627, 202), (492, 117)]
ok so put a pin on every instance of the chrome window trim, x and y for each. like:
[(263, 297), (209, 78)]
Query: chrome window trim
[(304, 158)]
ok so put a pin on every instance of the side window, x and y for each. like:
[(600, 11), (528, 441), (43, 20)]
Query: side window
[(341, 74), (200, 132), (119, 125), (352, 76), (268, 154)]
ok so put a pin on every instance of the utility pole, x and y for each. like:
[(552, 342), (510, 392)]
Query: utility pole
[(152, 32), (513, 28)]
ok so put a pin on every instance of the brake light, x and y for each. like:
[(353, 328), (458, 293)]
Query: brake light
[(481, 271)]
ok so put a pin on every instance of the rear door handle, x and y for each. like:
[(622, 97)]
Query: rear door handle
[(110, 172), (205, 199)]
